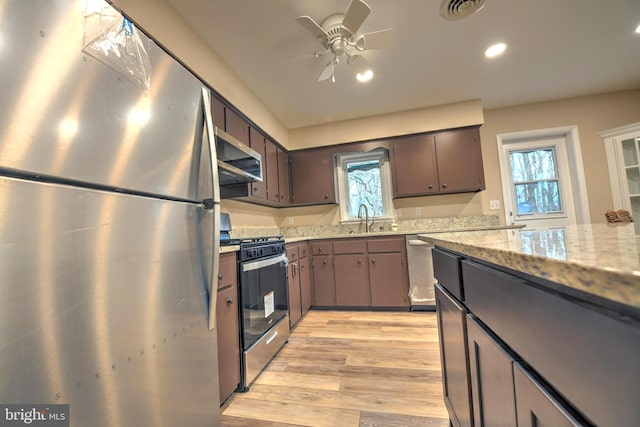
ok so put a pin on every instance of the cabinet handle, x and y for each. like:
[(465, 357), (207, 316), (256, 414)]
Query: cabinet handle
[(359, 260), (229, 300), (301, 267), (220, 276), (255, 189), (430, 186), (444, 185), (320, 249), (373, 260), (324, 262), (326, 196)]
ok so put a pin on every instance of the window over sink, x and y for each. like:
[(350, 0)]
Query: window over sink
[(364, 179)]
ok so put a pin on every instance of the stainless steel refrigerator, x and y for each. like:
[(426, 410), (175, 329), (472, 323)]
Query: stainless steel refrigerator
[(108, 229)]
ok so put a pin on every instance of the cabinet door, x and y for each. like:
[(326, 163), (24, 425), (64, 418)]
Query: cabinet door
[(491, 367), (217, 111), (283, 177), (352, 280), (236, 126), (271, 156), (536, 406), (305, 284), (312, 177), (295, 306), (389, 280), (459, 161), (256, 141), (324, 287), (452, 331), (413, 160)]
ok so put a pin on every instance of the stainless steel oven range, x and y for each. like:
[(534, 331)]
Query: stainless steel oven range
[(264, 319)]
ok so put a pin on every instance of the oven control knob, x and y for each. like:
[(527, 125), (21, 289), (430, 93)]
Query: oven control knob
[(261, 251)]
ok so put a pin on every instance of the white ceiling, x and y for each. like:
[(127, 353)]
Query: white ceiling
[(556, 49)]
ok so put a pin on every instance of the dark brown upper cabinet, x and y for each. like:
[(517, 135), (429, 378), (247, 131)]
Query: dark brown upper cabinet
[(438, 163), (414, 166), (217, 111), (459, 159), (236, 126), (284, 190), (312, 177), (270, 163)]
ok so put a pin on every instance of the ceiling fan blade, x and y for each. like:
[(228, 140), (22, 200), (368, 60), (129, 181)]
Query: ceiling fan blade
[(355, 16), (327, 72), (382, 39), (313, 27), (359, 64)]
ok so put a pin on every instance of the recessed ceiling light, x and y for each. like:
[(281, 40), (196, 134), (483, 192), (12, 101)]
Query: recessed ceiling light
[(365, 77), (638, 29), (495, 50)]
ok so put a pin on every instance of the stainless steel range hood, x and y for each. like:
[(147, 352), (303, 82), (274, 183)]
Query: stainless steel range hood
[(237, 163)]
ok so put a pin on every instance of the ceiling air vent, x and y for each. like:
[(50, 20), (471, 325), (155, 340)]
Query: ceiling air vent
[(458, 9)]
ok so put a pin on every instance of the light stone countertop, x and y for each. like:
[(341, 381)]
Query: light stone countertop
[(227, 249), (600, 259), (392, 233)]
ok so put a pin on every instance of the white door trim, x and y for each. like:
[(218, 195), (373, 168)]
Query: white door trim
[(574, 152)]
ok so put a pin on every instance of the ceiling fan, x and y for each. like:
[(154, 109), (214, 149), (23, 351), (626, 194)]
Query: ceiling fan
[(338, 35)]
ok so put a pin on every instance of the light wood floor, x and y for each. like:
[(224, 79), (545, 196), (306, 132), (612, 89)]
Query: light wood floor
[(344, 368)]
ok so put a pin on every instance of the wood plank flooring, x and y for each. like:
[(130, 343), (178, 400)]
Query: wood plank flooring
[(345, 368)]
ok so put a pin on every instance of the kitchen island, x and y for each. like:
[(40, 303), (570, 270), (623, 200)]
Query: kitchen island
[(540, 326)]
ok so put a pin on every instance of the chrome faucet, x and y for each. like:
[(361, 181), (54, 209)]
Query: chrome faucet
[(367, 226)]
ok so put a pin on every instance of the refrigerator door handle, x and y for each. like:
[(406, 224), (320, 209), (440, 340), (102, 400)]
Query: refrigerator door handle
[(212, 204)]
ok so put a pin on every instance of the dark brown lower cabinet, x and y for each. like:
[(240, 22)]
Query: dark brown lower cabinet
[(491, 378), (536, 406), (295, 302), (452, 330), (351, 280), (387, 276), (324, 286), (305, 284)]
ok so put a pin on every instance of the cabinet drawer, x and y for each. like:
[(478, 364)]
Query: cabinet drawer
[(446, 268), (321, 248), (227, 273), (358, 246), (292, 253), (392, 244), (564, 341)]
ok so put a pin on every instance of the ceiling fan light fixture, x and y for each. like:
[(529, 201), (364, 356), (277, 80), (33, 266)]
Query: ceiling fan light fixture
[(495, 50), (365, 76), (362, 67)]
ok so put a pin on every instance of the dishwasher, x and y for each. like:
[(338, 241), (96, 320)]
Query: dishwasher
[(421, 279)]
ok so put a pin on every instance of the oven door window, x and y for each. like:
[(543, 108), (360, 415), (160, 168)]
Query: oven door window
[(264, 296)]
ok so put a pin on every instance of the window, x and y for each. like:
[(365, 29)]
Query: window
[(364, 179)]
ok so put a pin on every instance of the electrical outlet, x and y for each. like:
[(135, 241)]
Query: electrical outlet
[(290, 220), (418, 211), (494, 205)]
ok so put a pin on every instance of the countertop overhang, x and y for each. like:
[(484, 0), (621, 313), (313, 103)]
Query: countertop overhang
[(599, 259)]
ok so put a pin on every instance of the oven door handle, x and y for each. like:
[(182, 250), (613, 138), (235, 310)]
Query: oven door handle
[(261, 263)]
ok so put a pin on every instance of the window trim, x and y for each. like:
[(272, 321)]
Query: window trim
[(380, 154)]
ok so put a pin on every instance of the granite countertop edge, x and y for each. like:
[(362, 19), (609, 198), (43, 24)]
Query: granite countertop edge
[(615, 285)]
